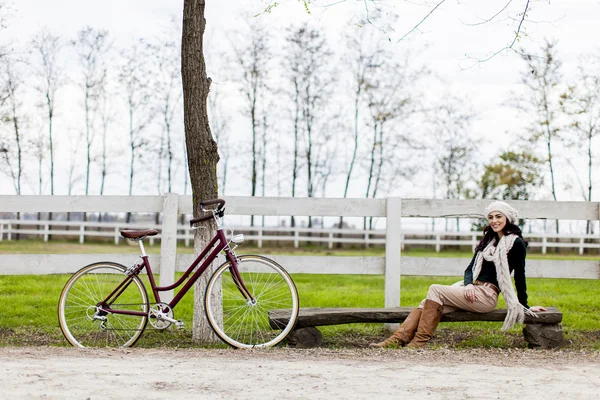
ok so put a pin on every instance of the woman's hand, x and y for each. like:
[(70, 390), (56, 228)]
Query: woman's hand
[(470, 293), (538, 308)]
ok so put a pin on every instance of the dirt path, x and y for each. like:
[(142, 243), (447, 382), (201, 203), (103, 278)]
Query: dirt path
[(64, 373)]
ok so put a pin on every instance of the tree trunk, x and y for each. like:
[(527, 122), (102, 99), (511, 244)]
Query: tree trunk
[(371, 167), (201, 148), (254, 155), (588, 228), (296, 134), (264, 160), (355, 150), (132, 150)]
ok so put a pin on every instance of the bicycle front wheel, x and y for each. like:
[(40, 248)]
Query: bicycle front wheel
[(243, 322), (83, 325)]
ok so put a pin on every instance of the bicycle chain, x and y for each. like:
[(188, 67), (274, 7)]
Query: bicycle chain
[(130, 330)]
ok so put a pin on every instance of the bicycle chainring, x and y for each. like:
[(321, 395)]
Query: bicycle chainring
[(156, 313)]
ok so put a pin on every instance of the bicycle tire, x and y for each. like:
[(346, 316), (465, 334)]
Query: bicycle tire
[(245, 325), (84, 290)]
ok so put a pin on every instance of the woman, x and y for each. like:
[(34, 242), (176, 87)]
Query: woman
[(501, 251)]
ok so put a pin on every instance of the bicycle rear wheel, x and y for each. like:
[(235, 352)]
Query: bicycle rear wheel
[(84, 326), (241, 322)]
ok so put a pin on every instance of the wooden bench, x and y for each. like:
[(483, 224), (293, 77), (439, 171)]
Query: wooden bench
[(544, 331)]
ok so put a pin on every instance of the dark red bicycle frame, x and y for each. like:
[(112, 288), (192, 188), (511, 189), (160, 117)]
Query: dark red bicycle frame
[(221, 245)]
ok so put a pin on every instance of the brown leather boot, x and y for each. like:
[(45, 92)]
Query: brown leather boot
[(404, 333), (432, 312)]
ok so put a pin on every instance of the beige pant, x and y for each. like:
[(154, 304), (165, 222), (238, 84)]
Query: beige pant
[(453, 298)]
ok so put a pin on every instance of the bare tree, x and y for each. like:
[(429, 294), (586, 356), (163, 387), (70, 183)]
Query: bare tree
[(312, 80), (106, 113), (166, 54), (292, 62), (392, 95), (11, 93), (91, 46), (252, 58), (581, 102), (12, 146), (135, 80), (542, 79), (455, 147), (363, 59), (50, 78)]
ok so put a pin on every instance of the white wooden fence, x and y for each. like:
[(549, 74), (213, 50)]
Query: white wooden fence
[(10, 228), (393, 209)]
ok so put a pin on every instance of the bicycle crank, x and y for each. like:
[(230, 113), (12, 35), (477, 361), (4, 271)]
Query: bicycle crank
[(161, 317)]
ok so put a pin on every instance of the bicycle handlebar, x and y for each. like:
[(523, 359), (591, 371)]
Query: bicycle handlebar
[(220, 204)]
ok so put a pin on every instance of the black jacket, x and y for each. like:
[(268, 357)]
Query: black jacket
[(516, 263)]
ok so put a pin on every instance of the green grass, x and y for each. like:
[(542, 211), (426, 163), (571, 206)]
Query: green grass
[(29, 303), (29, 311)]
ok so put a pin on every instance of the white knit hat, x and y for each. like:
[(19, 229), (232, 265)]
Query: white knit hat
[(505, 208)]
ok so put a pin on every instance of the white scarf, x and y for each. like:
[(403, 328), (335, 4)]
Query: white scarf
[(515, 312)]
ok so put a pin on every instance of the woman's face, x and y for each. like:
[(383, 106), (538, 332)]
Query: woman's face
[(497, 221)]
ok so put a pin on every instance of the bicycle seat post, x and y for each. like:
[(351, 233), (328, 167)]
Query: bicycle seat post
[(141, 243)]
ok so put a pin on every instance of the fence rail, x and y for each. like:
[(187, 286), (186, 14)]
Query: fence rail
[(394, 209), (9, 229)]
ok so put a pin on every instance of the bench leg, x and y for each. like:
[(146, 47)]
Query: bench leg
[(305, 338), (546, 336)]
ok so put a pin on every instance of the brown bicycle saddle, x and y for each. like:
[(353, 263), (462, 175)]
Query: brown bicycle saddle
[(136, 234)]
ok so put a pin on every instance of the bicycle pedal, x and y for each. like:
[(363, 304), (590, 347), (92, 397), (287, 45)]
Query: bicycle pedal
[(179, 324)]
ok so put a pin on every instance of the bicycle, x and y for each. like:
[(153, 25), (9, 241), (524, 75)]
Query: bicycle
[(107, 304)]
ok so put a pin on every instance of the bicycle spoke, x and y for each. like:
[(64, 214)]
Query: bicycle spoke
[(90, 286), (246, 323)]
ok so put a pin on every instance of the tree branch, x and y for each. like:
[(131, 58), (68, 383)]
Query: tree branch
[(422, 20), (492, 17), (520, 25), (511, 46)]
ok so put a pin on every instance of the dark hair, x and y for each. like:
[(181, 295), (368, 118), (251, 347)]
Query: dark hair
[(489, 235)]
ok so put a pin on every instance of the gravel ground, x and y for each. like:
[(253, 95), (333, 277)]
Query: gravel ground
[(66, 373)]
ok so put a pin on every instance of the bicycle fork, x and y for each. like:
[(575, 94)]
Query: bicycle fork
[(237, 279)]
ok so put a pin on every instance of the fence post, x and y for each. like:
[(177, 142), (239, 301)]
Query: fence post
[(296, 235), (168, 243), (1, 232), (117, 234), (81, 233), (260, 235), (9, 232), (330, 244), (393, 260), (437, 243), (544, 241), (46, 232)]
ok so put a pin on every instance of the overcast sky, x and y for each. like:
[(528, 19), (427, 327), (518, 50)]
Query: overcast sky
[(446, 42)]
